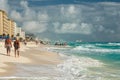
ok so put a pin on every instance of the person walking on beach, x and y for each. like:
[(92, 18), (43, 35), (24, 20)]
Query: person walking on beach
[(8, 45), (25, 43), (16, 47)]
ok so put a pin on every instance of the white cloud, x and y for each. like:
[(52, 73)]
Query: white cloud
[(24, 4), (28, 13), (31, 21), (43, 17), (109, 3), (86, 28), (82, 28), (34, 26), (4, 5), (68, 28), (69, 11), (16, 15), (111, 8)]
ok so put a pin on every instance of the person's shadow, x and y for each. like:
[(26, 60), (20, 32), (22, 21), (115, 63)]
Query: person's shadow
[(3, 54)]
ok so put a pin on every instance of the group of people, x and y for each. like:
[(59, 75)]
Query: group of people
[(61, 44), (8, 46)]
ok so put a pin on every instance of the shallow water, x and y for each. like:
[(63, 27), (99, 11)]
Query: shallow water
[(91, 61)]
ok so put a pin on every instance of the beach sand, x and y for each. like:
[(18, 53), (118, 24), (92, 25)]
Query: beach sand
[(33, 57)]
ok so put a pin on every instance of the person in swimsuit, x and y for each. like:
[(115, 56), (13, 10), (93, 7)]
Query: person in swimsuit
[(16, 47), (8, 45)]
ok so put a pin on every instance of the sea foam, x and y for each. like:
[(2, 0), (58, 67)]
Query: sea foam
[(76, 68), (94, 49)]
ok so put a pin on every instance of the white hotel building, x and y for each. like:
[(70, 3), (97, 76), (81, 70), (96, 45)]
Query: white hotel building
[(19, 32)]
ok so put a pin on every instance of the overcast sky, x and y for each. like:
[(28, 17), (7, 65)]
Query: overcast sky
[(71, 20)]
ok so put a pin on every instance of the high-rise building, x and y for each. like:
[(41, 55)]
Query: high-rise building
[(11, 27), (7, 26), (15, 29), (1, 22), (4, 25)]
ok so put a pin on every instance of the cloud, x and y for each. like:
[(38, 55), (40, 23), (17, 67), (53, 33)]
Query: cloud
[(34, 21), (4, 5), (24, 4), (74, 28), (69, 11), (29, 19), (28, 13), (109, 3), (43, 17), (34, 26), (16, 16)]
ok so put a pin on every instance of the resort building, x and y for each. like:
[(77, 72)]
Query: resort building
[(4, 24), (20, 33), (15, 29), (8, 26), (11, 27)]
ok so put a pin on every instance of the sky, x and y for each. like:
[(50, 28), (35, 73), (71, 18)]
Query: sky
[(67, 20)]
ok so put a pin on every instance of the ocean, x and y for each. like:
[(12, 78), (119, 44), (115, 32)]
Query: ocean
[(90, 61)]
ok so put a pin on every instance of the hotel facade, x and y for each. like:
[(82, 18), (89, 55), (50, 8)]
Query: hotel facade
[(8, 26), (4, 23)]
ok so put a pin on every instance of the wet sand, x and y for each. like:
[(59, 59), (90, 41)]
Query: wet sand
[(32, 58)]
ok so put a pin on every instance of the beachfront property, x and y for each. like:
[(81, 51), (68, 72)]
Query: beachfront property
[(11, 27), (4, 24), (8, 26), (20, 33)]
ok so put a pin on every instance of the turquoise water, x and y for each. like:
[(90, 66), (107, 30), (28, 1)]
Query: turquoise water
[(108, 53), (95, 61)]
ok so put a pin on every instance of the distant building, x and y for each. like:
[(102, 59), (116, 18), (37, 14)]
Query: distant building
[(20, 33), (11, 27), (15, 29), (23, 34), (6, 25)]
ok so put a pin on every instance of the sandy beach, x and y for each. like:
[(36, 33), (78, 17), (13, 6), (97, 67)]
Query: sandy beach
[(31, 55)]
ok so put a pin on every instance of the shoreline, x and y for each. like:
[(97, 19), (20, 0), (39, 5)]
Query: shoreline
[(47, 64), (29, 55)]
